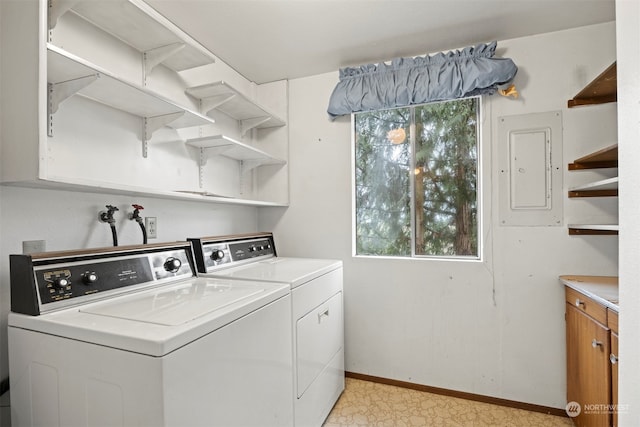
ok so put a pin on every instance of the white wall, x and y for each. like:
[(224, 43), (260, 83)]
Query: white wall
[(494, 327), (628, 43), (69, 220)]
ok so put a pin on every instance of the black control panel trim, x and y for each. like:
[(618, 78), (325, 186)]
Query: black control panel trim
[(24, 296), (236, 250), (47, 284)]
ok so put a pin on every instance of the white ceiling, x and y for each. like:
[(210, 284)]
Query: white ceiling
[(268, 40)]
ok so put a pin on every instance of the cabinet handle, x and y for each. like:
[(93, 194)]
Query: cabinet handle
[(579, 303), (323, 314), (595, 343), (613, 358)]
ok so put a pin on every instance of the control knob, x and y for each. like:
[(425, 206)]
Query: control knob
[(217, 254), (89, 277), (60, 283), (172, 264)]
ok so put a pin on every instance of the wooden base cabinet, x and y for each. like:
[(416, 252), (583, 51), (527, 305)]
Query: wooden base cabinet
[(612, 322), (590, 376)]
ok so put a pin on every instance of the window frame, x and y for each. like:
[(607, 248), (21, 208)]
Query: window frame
[(480, 193)]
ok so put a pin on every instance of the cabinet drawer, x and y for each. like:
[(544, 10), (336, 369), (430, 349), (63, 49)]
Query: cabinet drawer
[(586, 305), (308, 295), (612, 320), (319, 337)]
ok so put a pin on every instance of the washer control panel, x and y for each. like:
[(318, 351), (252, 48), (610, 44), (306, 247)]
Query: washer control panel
[(215, 253), (46, 283)]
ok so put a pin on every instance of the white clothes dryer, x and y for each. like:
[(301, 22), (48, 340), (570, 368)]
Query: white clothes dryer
[(131, 336), (316, 305)]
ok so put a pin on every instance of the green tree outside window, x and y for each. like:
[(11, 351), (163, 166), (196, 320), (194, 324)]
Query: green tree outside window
[(416, 174)]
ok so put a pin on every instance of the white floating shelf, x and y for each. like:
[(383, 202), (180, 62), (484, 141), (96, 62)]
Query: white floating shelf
[(604, 227), (222, 97), (605, 184), (140, 26), (65, 68), (220, 145), (69, 75), (73, 184), (603, 188)]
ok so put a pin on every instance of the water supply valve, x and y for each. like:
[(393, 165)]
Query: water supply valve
[(107, 216), (135, 215)]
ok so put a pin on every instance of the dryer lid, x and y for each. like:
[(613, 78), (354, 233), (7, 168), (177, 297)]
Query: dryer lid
[(294, 271)]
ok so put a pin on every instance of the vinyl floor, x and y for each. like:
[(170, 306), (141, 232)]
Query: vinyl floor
[(365, 403)]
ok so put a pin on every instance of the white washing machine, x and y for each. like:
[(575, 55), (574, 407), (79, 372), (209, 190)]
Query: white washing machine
[(317, 308), (130, 336)]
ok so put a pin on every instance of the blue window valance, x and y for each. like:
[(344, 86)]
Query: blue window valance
[(406, 81)]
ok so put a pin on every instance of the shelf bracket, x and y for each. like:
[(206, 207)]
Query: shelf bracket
[(217, 151), (213, 102), (248, 124), (203, 157), (201, 164), (153, 57), (152, 124), (244, 175), (248, 165), (59, 92), (57, 8)]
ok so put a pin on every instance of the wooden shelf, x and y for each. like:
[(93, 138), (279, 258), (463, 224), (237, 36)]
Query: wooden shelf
[(605, 158), (601, 90), (603, 188), (593, 229), (141, 27), (222, 97)]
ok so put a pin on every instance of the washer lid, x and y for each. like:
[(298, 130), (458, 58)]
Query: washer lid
[(176, 305), (160, 320)]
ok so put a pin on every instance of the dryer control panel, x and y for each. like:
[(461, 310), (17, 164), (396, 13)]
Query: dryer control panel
[(222, 252), (49, 281)]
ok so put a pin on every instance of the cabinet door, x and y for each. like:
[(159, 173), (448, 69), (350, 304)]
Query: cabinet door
[(614, 376), (588, 378)]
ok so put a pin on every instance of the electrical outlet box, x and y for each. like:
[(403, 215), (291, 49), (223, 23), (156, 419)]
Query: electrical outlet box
[(151, 224), (33, 246)]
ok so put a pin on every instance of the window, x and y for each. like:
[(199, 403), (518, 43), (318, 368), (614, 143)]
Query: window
[(416, 180)]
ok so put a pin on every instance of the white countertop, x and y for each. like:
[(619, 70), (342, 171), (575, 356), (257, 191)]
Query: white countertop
[(603, 289)]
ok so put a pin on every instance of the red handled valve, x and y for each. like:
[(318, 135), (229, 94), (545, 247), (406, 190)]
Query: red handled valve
[(136, 215)]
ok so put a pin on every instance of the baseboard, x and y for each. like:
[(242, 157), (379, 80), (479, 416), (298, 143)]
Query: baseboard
[(461, 394)]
